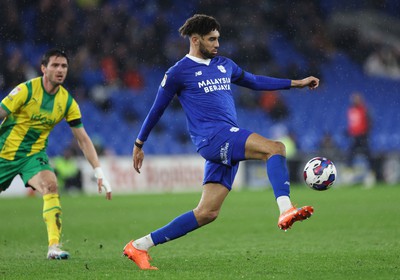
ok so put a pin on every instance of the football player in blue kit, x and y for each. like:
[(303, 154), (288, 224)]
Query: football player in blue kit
[(202, 81)]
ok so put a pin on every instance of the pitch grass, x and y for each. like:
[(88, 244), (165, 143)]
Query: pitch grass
[(354, 234)]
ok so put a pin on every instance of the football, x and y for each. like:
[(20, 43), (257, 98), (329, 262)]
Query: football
[(319, 173)]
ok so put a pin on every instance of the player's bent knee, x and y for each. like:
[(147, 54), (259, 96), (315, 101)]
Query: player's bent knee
[(280, 148), (206, 217), (211, 217), (49, 187)]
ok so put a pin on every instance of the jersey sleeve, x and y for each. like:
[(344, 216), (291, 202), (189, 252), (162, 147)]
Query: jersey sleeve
[(237, 72), (73, 115), (15, 99), (168, 88), (257, 82), (171, 82)]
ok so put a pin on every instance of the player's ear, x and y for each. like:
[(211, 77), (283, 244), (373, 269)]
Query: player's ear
[(43, 68), (194, 39)]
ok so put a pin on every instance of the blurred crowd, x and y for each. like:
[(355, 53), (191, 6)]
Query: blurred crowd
[(111, 42)]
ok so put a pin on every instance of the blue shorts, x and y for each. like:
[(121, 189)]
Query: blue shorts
[(223, 153)]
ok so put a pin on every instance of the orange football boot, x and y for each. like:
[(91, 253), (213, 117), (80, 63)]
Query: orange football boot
[(140, 257), (287, 218)]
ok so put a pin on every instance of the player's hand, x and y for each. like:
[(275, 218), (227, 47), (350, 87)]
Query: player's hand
[(102, 182), (138, 156), (311, 82)]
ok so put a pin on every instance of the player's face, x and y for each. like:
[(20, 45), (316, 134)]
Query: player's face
[(56, 70), (209, 44)]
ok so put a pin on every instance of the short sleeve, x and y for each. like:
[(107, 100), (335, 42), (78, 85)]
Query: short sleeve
[(15, 99), (73, 112)]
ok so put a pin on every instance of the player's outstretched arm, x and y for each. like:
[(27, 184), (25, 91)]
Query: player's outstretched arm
[(311, 82), (137, 155), (87, 147)]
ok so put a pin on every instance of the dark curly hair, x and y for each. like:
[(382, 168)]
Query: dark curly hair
[(199, 24)]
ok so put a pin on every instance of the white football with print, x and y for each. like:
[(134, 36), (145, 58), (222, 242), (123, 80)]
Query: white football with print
[(319, 173)]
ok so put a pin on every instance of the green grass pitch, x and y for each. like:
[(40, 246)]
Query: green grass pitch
[(353, 234)]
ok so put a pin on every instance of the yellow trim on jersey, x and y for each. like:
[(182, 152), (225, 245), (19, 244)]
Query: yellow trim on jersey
[(33, 113)]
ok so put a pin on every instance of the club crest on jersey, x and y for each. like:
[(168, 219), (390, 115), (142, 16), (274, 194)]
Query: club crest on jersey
[(164, 80), (59, 108), (221, 68)]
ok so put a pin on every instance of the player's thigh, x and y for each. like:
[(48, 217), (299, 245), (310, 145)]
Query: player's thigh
[(259, 147), (38, 174), (212, 197)]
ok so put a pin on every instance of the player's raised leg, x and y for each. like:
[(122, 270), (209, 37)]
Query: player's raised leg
[(279, 177), (274, 152)]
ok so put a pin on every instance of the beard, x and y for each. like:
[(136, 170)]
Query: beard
[(205, 52), (55, 81)]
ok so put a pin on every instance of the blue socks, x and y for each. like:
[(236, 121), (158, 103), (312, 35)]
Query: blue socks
[(278, 175), (178, 227)]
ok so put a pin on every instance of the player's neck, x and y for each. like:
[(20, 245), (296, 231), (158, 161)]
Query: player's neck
[(197, 54), (49, 87)]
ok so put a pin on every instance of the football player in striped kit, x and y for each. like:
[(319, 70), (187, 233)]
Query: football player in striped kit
[(29, 113)]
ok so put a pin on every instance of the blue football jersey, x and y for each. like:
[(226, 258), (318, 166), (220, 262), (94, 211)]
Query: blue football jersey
[(204, 90)]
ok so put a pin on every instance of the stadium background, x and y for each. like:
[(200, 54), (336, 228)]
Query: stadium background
[(120, 50)]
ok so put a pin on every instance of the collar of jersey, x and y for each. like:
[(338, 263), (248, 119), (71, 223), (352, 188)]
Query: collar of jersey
[(199, 60)]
